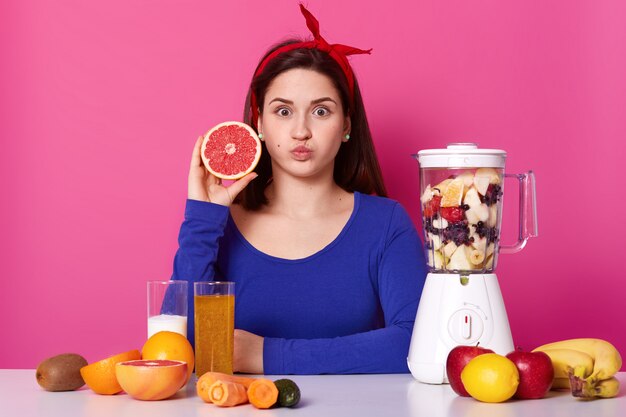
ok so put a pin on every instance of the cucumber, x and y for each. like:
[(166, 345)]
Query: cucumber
[(288, 392)]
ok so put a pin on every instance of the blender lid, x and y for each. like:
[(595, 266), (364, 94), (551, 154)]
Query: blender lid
[(461, 155)]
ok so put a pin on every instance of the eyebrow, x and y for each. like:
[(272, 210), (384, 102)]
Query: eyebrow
[(316, 101)]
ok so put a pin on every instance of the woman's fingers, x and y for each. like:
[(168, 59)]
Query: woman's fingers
[(196, 160), (239, 185)]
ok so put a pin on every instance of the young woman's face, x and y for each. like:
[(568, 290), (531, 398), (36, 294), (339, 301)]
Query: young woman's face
[(303, 123)]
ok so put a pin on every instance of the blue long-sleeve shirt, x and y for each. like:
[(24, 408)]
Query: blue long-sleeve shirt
[(348, 308)]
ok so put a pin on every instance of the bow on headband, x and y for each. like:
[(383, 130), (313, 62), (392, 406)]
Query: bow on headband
[(337, 52)]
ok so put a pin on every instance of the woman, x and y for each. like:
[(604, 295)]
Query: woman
[(328, 276)]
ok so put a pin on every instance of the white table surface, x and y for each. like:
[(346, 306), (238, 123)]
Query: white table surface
[(322, 396)]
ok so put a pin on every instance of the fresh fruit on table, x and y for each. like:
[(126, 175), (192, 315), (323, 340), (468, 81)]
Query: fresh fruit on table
[(606, 362), (262, 393), (565, 361), (288, 392), (61, 372), (490, 378), (457, 359), (100, 376), (453, 195), (169, 346), (227, 394), (560, 384), (607, 388), (230, 150), (209, 378), (151, 380), (535, 373)]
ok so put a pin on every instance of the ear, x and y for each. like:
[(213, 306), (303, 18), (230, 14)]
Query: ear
[(347, 127), (259, 124)]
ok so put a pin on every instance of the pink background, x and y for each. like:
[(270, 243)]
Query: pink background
[(101, 105)]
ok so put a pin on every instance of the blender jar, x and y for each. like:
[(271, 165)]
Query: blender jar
[(461, 190)]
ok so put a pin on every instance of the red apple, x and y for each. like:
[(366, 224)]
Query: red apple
[(457, 359), (535, 373)]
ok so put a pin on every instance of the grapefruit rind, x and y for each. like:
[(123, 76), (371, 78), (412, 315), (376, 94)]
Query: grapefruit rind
[(250, 168), (151, 380)]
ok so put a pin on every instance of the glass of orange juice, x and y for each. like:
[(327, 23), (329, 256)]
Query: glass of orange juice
[(214, 305)]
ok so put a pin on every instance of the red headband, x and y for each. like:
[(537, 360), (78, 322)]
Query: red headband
[(336, 51)]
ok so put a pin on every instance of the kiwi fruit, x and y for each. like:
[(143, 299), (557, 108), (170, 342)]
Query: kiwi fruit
[(61, 372)]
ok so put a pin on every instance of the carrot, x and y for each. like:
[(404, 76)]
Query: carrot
[(262, 393), (209, 378), (227, 394)]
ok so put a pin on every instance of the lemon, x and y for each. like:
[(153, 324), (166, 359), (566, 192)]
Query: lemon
[(490, 378)]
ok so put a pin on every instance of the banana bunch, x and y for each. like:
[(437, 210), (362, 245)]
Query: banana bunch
[(585, 366)]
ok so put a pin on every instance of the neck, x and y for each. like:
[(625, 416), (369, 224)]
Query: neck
[(304, 197)]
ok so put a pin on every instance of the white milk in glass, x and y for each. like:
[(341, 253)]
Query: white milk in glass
[(167, 322)]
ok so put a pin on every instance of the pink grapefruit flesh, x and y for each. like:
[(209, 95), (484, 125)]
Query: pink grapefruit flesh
[(231, 150)]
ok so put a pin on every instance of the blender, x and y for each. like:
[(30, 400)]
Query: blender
[(461, 191)]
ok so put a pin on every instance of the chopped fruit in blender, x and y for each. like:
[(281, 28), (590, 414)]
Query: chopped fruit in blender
[(429, 193), (440, 223), (492, 174), (489, 263), (468, 179), (442, 186), (435, 259), (493, 194), (459, 261), (491, 233), (428, 226), (479, 243), (452, 214), (472, 199), (435, 241), (431, 207), (453, 195), (492, 221), (449, 249), (457, 233), (472, 216), (481, 184), (476, 257)]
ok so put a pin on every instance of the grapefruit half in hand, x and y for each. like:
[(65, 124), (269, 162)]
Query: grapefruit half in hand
[(230, 150)]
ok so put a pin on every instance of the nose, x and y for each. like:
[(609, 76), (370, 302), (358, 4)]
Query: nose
[(300, 129)]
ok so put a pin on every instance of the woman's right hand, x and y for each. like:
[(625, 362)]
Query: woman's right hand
[(204, 186)]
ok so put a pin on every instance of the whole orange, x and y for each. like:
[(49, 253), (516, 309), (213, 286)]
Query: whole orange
[(171, 346)]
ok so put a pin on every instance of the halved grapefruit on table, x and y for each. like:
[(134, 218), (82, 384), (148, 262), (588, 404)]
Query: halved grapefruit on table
[(230, 150)]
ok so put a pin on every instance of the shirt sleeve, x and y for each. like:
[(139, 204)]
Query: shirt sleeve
[(401, 275), (198, 246)]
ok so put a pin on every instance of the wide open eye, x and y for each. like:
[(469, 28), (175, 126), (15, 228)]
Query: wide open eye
[(321, 111), (283, 111)]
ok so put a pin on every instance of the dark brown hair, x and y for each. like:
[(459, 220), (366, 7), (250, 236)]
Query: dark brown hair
[(356, 164)]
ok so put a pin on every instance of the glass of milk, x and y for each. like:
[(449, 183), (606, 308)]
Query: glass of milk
[(167, 307)]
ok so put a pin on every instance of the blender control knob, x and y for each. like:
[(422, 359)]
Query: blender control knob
[(465, 326)]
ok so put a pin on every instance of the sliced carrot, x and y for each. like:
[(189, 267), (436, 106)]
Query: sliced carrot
[(209, 378), (262, 393), (227, 394)]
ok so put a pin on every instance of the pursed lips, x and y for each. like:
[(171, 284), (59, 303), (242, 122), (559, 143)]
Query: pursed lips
[(301, 152)]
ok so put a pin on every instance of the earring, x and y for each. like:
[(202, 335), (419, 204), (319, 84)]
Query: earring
[(348, 137), (260, 135)]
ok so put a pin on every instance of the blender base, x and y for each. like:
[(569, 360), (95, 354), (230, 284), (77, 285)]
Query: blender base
[(456, 309)]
